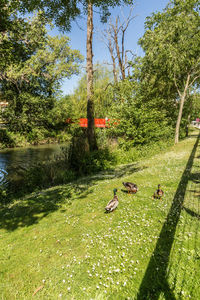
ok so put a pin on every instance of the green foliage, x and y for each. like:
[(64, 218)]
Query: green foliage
[(63, 13), (170, 67), (83, 162), (126, 153), (36, 135), (3, 195), (11, 139), (135, 120), (103, 94), (63, 109), (32, 67), (63, 137), (194, 107)]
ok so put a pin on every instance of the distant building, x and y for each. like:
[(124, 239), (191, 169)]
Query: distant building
[(196, 123), (3, 105)]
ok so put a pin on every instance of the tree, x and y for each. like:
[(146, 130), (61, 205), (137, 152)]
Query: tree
[(31, 69), (114, 38), (103, 96), (171, 44), (63, 12)]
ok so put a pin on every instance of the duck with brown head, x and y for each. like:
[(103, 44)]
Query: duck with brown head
[(158, 194), (112, 204)]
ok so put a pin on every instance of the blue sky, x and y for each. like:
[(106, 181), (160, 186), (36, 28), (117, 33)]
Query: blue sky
[(143, 8)]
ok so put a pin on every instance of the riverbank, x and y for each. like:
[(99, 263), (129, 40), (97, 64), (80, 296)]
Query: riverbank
[(59, 243), (10, 140), (24, 170)]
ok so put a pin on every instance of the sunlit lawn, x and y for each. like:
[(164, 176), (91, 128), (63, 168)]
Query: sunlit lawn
[(59, 244)]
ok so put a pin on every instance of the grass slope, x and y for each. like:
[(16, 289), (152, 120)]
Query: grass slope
[(59, 243)]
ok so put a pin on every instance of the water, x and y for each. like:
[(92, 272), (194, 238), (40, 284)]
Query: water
[(13, 160)]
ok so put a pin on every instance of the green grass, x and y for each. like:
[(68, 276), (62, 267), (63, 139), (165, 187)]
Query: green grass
[(61, 242)]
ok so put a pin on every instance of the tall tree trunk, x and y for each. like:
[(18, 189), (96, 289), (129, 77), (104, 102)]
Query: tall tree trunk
[(182, 100), (90, 93)]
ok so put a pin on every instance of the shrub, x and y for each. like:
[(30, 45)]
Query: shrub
[(10, 139), (63, 137), (83, 162), (36, 135)]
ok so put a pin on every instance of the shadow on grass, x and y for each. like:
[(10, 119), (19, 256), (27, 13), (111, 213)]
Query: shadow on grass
[(120, 171), (192, 213), (155, 279), (30, 209)]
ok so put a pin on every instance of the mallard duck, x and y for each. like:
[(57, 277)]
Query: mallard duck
[(158, 193), (112, 204), (131, 187)]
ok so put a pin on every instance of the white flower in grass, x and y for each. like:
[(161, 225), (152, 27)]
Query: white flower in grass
[(97, 287), (69, 288), (43, 280), (63, 280), (84, 289), (60, 295), (124, 283), (117, 282)]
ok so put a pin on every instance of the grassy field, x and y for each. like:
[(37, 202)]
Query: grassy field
[(59, 243)]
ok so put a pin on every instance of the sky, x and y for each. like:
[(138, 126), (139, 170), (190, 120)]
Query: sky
[(142, 9)]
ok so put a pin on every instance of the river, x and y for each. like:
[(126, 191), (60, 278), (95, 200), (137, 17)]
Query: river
[(11, 160)]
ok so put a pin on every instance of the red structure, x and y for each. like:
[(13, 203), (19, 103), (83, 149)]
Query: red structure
[(83, 122), (101, 123)]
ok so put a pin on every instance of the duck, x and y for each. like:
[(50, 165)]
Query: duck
[(158, 193), (131, 187), (112, 204)]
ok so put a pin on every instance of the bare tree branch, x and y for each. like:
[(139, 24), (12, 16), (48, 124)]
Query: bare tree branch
[(114, 39)]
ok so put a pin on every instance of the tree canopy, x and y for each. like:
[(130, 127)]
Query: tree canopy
[(172, 59), (64, 12), (32, 67)]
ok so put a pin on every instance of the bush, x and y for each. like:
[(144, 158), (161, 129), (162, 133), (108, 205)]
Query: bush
[(3, 194), (9, 139), (63, 137), (36, 135), (83, 162)]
